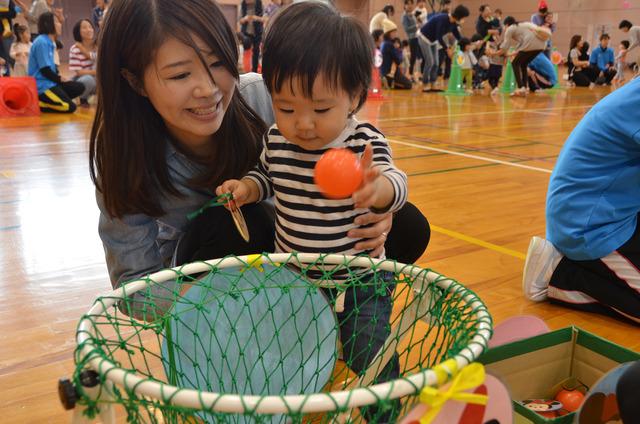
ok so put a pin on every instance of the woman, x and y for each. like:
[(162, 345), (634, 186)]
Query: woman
[(82, 56), (173, 122), (55, 93), (528, 40), (580, 72), (387, 12)]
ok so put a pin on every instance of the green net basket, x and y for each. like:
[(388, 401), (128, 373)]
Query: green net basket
[(274, 338)]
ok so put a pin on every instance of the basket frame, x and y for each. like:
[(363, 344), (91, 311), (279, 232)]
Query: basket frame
[(286, 404)]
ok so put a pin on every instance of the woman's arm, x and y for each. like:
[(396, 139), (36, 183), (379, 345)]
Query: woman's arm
[(129, 245)]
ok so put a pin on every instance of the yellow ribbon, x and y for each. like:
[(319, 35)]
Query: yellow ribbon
[(254, 261), (468, 378)]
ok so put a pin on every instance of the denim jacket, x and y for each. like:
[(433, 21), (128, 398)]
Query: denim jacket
[(137, 244)]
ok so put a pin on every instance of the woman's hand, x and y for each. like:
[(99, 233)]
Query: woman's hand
[(374, 236)]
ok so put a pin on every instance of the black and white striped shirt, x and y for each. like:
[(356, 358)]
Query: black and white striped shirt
[(306, 221)]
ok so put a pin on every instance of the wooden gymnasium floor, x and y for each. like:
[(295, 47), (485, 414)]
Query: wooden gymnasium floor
[(478, 169)]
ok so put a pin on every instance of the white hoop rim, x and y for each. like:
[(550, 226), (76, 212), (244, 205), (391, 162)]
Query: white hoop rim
[(285, 404)]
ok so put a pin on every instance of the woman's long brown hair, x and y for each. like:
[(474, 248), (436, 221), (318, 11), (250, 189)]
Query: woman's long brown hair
[(127, 152)]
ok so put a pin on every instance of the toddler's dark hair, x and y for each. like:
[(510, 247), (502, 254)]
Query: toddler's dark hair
[(309, 39)]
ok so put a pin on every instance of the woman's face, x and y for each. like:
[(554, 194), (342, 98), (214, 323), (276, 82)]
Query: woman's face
[(86, 31), (179, 87), (580, 44)]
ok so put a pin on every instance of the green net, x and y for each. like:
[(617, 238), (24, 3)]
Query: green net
[(276, 338)]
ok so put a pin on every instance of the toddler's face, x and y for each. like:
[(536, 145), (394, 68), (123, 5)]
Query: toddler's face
[(314, 122)]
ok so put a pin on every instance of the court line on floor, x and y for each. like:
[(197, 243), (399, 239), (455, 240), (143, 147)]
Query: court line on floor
[(491, 112), (482, 158), (10, 228), (478, 242)]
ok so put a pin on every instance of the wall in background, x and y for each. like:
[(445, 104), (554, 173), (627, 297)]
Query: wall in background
[(584, 17)]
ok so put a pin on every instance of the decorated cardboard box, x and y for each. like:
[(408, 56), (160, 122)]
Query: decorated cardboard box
[(532, 367)]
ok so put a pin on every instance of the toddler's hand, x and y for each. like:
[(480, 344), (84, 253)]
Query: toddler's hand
[(239, 189), (367, 195)]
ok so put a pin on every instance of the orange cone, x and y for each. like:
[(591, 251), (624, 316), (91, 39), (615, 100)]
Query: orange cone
[(18, 97)]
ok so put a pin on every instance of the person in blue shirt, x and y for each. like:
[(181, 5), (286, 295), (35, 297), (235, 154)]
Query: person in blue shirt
[(431, 37), (603, 60), (55, 93), (541, 73), (591, 258)]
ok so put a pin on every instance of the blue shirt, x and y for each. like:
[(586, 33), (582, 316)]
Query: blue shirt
[(389, 55), (594, 192), (602, 57), (438, 26), (542, 65), (41, 56)]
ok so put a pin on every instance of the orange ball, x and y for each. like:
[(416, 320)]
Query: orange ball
[(338, 173), (571, 399)]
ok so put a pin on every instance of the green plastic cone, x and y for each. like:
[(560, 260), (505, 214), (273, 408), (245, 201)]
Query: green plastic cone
[(509, 83), (455, 87)]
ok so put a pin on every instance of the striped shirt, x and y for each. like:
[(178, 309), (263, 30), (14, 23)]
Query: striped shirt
[(306, 221), (78, 61)]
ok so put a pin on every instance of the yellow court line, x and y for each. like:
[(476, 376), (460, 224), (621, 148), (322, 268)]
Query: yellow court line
[(479, 242)]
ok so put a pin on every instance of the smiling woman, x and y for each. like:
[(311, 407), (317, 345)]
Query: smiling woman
[(169, 125)]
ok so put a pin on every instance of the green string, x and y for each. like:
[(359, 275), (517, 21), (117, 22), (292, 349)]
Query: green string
[(221, 200)]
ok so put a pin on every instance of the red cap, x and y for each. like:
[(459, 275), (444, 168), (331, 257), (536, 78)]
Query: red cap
[(542, 5)]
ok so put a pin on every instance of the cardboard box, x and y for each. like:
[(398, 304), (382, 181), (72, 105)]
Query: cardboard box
[(531, 367)]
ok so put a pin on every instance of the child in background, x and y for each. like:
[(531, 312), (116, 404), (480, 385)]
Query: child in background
[(496, 62), (482, 67), (20, 50), (621, 61), (469, 61), (316, 94)]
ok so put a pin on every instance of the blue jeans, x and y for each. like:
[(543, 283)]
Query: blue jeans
[(364, 327), (89, 83), (431, 60)]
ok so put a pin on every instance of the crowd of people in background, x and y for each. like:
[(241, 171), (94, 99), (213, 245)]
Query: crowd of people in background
[(434, 38), (34, 50)]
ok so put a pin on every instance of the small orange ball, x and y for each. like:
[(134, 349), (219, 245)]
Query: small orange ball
[(571, 399), (338, 173)]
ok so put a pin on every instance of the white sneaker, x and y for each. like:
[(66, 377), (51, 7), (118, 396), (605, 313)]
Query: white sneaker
[(542, 260)]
